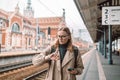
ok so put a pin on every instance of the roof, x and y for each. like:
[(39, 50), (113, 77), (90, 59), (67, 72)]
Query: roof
[(91, 13)]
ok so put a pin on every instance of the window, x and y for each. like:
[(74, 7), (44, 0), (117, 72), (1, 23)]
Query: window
[(1, 22), (15, 28)]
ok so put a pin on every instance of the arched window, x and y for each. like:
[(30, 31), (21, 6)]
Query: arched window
[(15, 27)]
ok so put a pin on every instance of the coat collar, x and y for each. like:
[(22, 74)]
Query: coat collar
[(68, 56)]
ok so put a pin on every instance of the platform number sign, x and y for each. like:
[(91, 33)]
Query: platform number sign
[(105, 16), (111, 15)]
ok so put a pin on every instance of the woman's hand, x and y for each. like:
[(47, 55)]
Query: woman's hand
[(54, 56), (73, 71)]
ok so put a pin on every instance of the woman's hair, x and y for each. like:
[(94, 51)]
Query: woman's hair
[(66, 29)]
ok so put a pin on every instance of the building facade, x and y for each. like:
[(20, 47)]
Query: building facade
[(21, 32)]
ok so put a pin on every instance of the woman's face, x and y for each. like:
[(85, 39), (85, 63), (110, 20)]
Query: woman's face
[(63, 37)]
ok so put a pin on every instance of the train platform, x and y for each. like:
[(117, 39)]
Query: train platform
[(17, 53), (97, 67)]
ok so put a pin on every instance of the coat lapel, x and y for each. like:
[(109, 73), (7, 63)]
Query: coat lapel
[(58, 63), (67, 58)]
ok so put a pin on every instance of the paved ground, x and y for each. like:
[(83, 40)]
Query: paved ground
[(112, 72), (97, 67)]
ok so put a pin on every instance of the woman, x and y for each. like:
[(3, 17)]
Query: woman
[(61, 58)]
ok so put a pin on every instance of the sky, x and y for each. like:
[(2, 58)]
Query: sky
[(49, 8)]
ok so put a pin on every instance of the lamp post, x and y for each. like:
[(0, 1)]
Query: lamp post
[(37, 35), (1, 21)]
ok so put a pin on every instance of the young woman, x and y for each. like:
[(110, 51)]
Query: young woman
[(61, 58)]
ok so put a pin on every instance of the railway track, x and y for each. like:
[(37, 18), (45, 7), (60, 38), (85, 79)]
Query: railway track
[(37, 76), (21, 73), (11, 67)]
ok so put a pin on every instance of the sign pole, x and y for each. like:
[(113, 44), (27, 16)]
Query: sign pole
[(105, 44), (110, 61)]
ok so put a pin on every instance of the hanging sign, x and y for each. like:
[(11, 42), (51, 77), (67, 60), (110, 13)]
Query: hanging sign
[(111, 15)]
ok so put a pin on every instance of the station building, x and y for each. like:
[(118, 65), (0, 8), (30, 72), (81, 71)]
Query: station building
[(21, 32)]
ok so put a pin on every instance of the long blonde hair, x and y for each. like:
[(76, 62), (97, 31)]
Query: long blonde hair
[(66, 29)]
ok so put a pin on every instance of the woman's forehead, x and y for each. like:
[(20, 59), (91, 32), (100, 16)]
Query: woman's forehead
[(62, 32)]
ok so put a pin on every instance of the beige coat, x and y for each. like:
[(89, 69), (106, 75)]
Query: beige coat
[(57, 70)]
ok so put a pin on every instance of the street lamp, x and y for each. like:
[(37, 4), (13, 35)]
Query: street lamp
[(1, 22)]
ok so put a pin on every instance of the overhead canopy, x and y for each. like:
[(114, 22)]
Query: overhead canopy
[(91, 12)]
